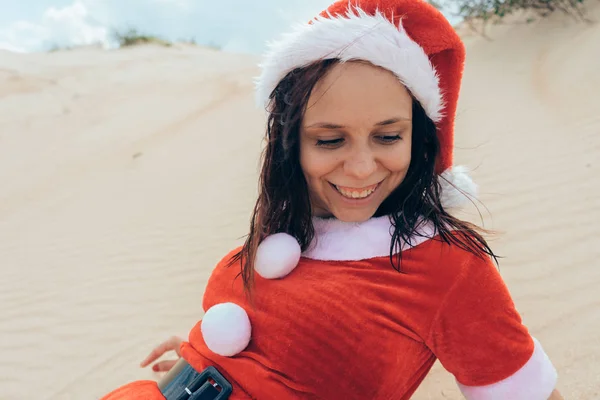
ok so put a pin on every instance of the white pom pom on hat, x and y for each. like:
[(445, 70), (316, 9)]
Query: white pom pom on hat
[(458, 188), (277, 255), (226, 329)]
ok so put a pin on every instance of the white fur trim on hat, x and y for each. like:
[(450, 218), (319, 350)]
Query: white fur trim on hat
[(277, 255), (226, 329), (536, 380), (458, 188), (356, 36)]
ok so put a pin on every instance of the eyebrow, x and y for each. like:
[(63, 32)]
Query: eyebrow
[(329, 125)]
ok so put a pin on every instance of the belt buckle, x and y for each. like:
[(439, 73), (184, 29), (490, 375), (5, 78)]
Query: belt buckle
[(199, 386)]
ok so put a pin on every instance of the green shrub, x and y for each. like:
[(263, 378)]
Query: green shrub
[(495, 10), (132, 37)]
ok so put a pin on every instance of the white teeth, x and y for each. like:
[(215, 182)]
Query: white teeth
[(355, 195)]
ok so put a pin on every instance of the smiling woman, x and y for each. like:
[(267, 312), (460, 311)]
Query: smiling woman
[(353, 163), (355, 275)]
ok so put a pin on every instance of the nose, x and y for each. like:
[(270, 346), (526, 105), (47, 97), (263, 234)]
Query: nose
[(360, 164)]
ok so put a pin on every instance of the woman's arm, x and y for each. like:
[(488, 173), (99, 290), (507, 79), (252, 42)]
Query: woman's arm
[(555, 396)]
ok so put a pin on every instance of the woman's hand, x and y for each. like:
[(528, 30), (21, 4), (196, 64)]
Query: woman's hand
[(555, 396), (171, 344)]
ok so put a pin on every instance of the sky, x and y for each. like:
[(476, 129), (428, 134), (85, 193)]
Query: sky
[(241, 26)]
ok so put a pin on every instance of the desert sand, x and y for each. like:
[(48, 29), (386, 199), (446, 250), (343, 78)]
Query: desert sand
[(125, 176)]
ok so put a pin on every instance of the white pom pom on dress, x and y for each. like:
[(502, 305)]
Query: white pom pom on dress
[(226, 329), (277, 255)]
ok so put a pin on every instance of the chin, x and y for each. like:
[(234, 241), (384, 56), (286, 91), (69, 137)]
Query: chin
[(354, 215)]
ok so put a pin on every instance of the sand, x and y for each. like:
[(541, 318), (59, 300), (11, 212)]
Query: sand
[(125, 175)]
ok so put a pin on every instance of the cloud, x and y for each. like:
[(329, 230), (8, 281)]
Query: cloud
[(12, 47), (234, 25), (182, 4), (68, 26), (240, 26), (74, 24)]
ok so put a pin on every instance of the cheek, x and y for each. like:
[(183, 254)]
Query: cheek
[(315, 165), (398, 160)]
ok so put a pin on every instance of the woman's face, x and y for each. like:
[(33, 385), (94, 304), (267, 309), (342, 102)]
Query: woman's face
[(355, 140)]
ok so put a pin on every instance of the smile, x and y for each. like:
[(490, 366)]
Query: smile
[(356, 193)]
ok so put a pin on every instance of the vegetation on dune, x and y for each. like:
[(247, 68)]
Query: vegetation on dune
[(482, 12), (497, 9), (132, 37), (54, 47)]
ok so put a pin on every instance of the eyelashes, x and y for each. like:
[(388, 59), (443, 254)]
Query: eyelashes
[(389, 138), (334, 143), (329, 143)]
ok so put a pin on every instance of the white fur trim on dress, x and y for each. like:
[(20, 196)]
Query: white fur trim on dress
[(226, 329), (458, 188), (356, 36), (536, 380), (336, 240)]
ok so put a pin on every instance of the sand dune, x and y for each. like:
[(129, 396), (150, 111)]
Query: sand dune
[(528, 126), (125, 175)]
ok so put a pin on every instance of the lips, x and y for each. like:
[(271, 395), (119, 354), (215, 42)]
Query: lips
[(356, 193)]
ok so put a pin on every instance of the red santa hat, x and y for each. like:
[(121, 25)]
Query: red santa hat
[(410, 38)]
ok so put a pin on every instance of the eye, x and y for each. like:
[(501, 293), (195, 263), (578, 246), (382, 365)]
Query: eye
[(389, 139), (330, 143)]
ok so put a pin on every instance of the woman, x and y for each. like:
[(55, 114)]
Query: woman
[(355, 277)]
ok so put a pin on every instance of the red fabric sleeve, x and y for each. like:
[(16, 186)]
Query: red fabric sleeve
[(138, 390), (477, 334), (216, 272)]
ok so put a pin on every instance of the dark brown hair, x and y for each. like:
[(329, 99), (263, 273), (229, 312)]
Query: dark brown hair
[(283, 203)]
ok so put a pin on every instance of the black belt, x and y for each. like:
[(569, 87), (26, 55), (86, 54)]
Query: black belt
[(188, 384)]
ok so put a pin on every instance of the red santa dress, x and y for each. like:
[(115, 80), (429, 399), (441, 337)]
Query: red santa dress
[(343, 324)]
